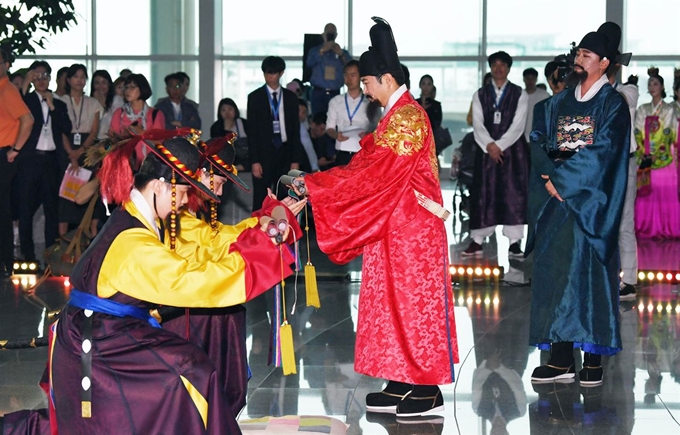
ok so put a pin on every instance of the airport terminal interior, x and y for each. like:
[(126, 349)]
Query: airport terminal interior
[(221, 44)]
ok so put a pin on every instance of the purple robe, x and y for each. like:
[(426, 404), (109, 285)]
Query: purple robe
[(221, 333), (499, 191)]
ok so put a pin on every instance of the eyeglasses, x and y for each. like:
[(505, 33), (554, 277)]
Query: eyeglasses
[(42, 76), (130, 87), (175, 86)]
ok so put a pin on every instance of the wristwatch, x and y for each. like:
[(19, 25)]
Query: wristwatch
[(15, 149)]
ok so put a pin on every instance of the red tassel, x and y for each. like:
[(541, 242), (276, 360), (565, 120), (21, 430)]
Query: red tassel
[(115, 175)]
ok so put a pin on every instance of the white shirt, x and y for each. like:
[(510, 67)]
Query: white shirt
[(338, 119), (631, 94), (393, 99), (138, 200), (482, 136), (282, 119), (46, 140), (538, 95)]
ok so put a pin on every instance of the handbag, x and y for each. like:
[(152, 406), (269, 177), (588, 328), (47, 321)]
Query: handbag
[(644, 172), (65, 253), (442, 139)]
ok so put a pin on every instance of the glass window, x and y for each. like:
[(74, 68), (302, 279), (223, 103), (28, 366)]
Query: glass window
[(115, 39), (77, 40), (144, 27), (240, 78), (529, 27), (269, 27), (441, 28), (650, 28)]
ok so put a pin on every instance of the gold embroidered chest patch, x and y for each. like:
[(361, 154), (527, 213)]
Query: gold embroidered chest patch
[(405, 132)]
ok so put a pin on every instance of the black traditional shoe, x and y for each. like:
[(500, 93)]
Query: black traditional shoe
[(626, 292), (386, 401), (590, 376), (474, 250), (550, 373), (515, 251), (416, 406)]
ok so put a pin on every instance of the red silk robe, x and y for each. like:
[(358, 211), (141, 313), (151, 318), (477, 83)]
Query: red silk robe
[(406, 327)]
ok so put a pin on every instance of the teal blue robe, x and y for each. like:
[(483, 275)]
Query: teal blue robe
[(575, 279)]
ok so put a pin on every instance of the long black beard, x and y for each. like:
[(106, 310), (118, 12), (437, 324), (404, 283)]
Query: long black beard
[(575, 77)]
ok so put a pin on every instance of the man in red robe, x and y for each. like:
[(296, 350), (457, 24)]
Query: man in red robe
[(386, 205)]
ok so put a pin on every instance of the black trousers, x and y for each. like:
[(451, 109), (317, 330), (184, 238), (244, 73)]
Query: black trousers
[(343, 158), (7, 171), (276, 165), (38, 179)]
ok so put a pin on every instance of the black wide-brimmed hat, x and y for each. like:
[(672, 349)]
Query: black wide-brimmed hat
[(219, 152), (180, 157), (381, 57)]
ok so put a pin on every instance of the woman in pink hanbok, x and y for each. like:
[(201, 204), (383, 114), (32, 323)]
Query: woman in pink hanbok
[(657, 213)]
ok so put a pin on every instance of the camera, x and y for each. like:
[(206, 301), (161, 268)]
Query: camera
[(563, 64)]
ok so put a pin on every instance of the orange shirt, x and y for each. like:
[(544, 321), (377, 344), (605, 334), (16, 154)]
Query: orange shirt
[(12, 107)]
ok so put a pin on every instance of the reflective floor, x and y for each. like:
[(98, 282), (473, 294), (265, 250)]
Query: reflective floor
[(492, 393)]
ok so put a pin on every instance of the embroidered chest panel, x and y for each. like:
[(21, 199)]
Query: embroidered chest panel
[(575, 132)]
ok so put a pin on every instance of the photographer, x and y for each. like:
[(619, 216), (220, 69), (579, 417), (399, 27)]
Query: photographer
[(326, 61), (555, 72)]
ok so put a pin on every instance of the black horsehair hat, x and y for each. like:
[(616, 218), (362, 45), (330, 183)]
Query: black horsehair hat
[(220, 153), (381, 57)]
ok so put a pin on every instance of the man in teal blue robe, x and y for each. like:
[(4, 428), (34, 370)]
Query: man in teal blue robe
[(576, 192)]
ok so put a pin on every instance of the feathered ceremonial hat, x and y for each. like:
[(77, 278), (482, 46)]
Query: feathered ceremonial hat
[(219, 152), (381, 57), (169, 146)]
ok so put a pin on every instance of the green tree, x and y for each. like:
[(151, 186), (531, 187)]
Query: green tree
[(25, 24)]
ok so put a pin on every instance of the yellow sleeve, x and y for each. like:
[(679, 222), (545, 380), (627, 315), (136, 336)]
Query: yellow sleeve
[(197, 237), (139, 265)]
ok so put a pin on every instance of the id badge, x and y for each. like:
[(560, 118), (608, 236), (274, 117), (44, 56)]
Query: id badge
[(329, 73), (46, 131), (76, 139), (277, 127), (497, 117)]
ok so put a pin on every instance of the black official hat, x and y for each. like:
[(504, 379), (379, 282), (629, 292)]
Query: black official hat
[(613, 33), (502, 56), (381, 57)]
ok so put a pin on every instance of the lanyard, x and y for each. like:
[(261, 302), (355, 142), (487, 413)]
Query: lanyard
[(80, 116), (275, 110), (356, 109), (497, 105)]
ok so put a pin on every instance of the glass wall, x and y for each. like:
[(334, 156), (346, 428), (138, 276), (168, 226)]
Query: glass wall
[(224, 42)]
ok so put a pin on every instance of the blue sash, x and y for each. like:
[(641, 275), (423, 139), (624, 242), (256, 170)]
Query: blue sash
[(87, 301)]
